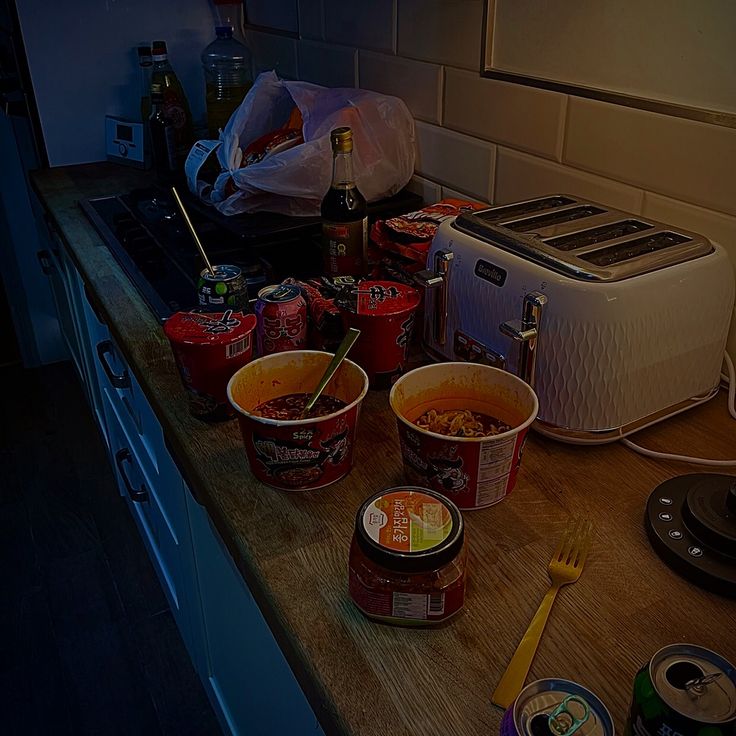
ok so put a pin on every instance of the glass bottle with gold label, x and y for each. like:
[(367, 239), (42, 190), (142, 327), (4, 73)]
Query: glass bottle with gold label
[(344, 214)]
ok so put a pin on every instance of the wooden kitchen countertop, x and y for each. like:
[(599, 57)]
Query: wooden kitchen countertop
[(367, 679)]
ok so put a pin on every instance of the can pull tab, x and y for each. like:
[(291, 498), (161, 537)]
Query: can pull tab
[(563, 722), (698, 686)]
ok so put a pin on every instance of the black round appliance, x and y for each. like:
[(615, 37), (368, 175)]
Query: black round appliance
[(691, 522)]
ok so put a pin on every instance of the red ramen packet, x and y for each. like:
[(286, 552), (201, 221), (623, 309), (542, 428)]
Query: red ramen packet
[(409, 235)]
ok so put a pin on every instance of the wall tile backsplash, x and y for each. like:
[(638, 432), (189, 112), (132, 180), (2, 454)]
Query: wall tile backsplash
[(417, 83), (494, 140)]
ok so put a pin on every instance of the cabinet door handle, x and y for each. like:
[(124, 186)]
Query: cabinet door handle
[(44, 258), (104, 349), (138, 495)]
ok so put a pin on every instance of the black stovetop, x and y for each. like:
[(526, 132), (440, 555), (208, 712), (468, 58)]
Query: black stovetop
[(147, 235)]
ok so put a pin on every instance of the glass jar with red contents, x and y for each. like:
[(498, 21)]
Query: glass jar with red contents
[(408, 558)]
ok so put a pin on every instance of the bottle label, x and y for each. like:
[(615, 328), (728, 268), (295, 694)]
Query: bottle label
[(200, 152), (345, 246)]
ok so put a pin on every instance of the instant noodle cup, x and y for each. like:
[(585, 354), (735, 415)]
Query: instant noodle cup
[(474, 472), (208, 349), (384, 313), (297, 454)]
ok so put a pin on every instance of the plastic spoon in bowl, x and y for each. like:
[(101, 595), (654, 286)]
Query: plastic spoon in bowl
[(192, 230), (347, 342)]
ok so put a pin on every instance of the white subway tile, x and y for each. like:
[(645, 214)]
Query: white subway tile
[(521, 176), (279, 14), (448, 193), (521, 117), (311, 13), (455, 160), (440, 31), (331, 66), (417, 83), (369, 25), (429, 191), (271, 51), (684, 159), (714, 225)]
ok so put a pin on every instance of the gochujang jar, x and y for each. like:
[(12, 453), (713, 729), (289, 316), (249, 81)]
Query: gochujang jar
[(408, 558)]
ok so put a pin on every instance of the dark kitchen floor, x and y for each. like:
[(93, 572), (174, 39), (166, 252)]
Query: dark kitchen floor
[(88, 644)]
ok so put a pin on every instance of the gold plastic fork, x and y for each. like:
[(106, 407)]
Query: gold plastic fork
[(564, 568)]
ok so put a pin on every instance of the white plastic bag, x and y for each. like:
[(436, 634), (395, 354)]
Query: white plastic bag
[(294, 181)]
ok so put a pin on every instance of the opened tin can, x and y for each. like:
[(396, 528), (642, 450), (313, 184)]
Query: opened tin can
[(684, 690), (282, 319), (555, 707), (225, 287)]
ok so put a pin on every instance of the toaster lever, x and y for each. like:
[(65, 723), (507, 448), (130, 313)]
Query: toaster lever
[(438, 279), (526, 332)]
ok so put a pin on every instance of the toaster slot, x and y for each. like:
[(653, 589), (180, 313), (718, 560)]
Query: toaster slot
[(554, 218), (634, 248), (583, 238), (523, 208)]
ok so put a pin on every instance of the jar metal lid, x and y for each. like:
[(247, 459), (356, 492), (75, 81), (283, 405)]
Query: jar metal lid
[(409, 529)]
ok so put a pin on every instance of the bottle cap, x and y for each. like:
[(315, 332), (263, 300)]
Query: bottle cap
[(342, 140), (144, 55), (159, 48)]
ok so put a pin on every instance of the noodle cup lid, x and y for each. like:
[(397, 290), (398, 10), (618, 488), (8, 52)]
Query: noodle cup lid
[(380, 298), (208, 328), (410, 529)]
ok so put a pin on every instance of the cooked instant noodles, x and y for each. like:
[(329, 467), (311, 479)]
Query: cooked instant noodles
[(461, 423), (291, 406)]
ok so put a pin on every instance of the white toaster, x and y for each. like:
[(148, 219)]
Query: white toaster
[(616, 320)]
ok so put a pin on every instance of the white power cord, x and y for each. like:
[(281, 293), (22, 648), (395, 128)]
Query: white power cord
[(730, 379)]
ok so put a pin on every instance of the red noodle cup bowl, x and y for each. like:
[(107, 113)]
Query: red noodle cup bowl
[(474, 472), (297, 454), (384, 313), (208, 348)]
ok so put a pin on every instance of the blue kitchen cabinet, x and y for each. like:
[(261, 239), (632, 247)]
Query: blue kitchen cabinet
[(250, 685), (247, 678)]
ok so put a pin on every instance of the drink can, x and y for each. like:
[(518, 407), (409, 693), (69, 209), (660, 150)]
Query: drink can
[(224, 288), (282, 319), (555, 707), (684, 690), (208, 348)]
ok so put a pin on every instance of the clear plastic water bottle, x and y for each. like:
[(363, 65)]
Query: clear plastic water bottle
[(227, 73)]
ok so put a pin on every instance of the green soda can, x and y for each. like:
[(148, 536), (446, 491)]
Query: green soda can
[(684, 690), (224, 288)]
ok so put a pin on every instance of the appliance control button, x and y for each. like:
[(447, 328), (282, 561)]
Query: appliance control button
[(665, 501), (665, 516), (123, 149), (695, 551), (675, 534)]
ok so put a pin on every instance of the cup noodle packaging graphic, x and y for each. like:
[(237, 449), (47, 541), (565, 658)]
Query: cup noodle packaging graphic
[(384, 312), (300, 454), (208, 348), (474, 472)]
